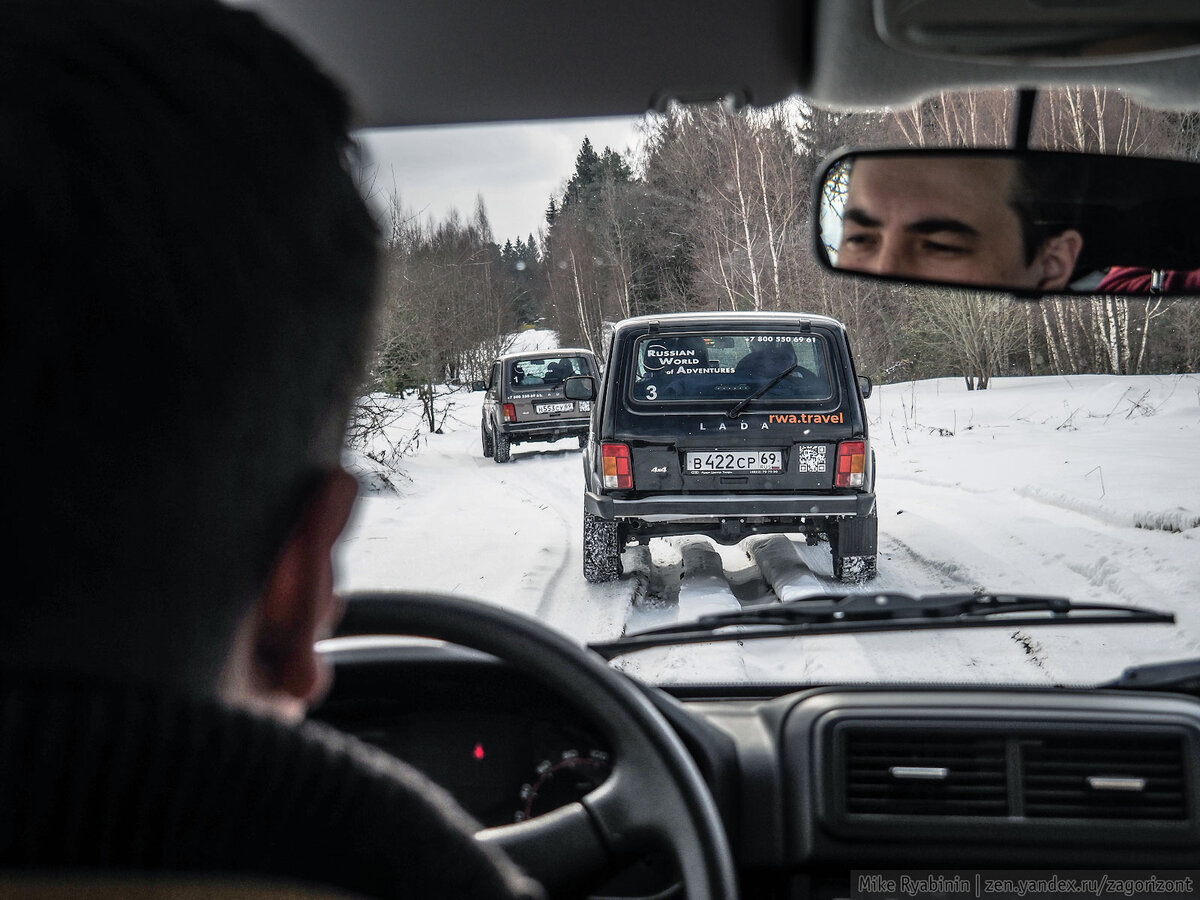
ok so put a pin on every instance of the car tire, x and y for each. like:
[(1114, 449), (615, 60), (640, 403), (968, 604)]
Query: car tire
[(601, 549), (488, 445), (502, 448), (854, 569)]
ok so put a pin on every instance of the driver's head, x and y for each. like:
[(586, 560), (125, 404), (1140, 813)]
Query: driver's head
[(694, 346), (187, 278), (951, 218)]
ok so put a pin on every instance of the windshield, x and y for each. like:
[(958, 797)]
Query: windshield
[(724, 366), (1008, 446), (543, 370)]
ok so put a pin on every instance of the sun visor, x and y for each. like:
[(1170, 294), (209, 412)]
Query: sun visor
[(1045, 32)]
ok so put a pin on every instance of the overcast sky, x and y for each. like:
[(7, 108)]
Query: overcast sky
[(516, 167)]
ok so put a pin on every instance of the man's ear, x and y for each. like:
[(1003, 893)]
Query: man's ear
[(1057, 258), (297, 607)]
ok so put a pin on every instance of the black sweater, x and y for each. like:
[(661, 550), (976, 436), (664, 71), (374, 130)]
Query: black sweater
[(108, 777)]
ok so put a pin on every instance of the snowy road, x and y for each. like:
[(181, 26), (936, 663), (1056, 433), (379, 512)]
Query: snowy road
[(1080, 487), (509, 534)]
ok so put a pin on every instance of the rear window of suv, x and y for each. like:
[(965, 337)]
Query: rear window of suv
[(532, 373), (683, 368)]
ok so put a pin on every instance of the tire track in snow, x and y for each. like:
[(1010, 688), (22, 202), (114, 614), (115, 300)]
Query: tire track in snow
[(976, 656), (564, 600), (701, 587), (508, 534), (782, 568), (998, 542), (963, 657)]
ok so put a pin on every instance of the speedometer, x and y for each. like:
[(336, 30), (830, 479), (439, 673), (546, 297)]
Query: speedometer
[(559, 782)]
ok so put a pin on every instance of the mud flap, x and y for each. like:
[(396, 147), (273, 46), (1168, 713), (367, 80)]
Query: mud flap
[(858, 536), (852, 543)]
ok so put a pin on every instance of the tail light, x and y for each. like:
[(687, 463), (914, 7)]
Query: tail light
[(851, 464), (618, 474), (510, 413)]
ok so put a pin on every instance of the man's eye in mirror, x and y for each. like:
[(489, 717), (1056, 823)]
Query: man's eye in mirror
[(858, 247), (1024, 221), (946, 249)]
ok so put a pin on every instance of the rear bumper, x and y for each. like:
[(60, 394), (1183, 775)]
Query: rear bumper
[(551, 430), (677, 507)]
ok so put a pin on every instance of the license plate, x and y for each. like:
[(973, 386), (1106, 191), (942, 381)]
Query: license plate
[(746, 462), (554, 407)]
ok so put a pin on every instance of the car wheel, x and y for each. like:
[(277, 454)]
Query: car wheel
[(854, 569), (502, 448), (655, 795), (488, 446), (601, 549)]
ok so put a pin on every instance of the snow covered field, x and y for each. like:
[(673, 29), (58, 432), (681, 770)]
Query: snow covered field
[(1083, 486)]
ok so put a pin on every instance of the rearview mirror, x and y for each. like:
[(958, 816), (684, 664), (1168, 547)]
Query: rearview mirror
[(580, 387), (1028, 222)]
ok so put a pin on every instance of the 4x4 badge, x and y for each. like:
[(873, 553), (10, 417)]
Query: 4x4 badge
[(659, 470)]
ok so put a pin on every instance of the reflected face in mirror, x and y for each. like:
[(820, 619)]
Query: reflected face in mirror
[(948, 219)]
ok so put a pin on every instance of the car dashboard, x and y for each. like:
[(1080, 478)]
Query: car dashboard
[(506, 748), (816, 784)]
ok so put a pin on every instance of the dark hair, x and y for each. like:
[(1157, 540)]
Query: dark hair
[(187, 270), (1044, 195)]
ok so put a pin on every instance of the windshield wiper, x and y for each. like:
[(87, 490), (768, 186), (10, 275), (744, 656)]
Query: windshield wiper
[(1183, 676), (885, 611), (743, 403)]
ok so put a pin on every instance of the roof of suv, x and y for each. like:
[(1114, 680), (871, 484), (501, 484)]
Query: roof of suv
[(716, 318), (542, 354)]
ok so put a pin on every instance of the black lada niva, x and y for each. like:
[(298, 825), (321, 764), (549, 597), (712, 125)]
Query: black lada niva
[(728, 425)]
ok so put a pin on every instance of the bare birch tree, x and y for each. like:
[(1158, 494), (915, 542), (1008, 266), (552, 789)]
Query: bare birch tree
[(977, 332)]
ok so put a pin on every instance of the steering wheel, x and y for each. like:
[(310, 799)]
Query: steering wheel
[(654, 796)]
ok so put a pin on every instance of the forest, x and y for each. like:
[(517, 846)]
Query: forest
[(713, 211)]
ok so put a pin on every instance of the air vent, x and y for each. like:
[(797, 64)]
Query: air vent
[(1104, 776), (926, 773)]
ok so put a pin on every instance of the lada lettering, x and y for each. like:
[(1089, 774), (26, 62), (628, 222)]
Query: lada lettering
[(808, 419), (723, 427)]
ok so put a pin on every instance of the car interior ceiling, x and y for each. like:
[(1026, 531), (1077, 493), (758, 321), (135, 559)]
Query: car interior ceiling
[(626, 57)]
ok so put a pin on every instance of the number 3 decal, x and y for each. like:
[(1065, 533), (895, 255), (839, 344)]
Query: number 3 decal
[(652, 392)]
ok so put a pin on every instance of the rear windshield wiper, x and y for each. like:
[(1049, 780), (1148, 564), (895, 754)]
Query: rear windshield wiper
[(886, 611), (742, 404)]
